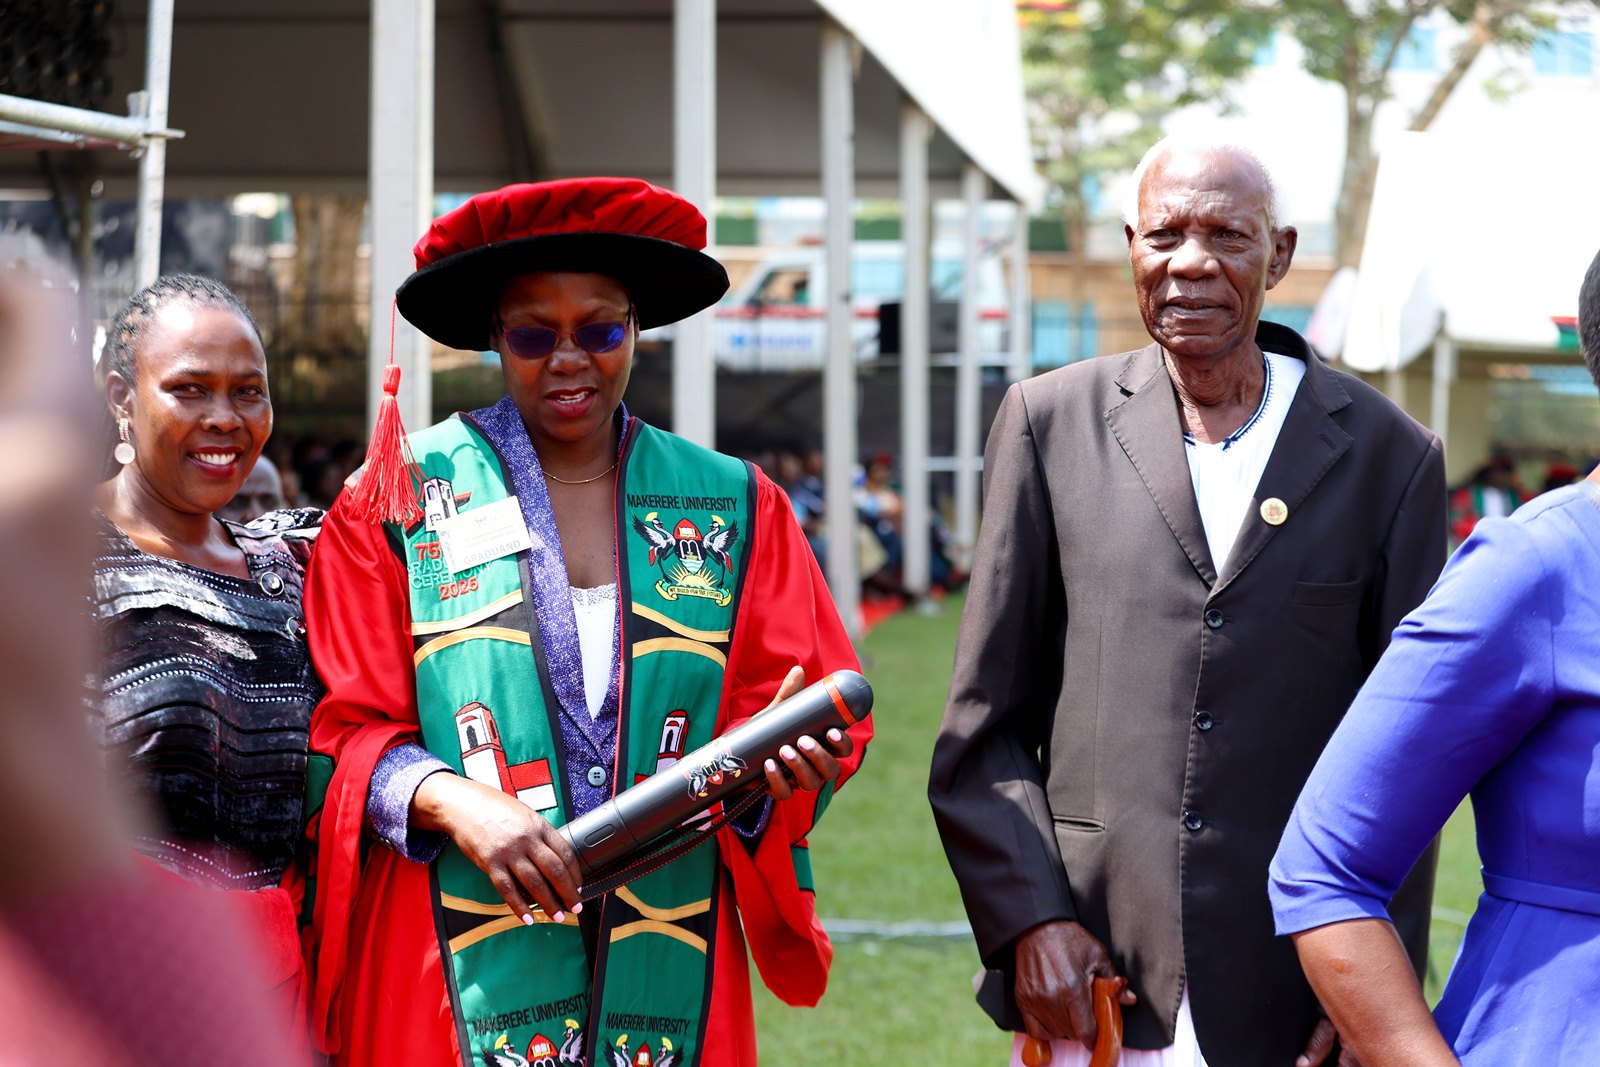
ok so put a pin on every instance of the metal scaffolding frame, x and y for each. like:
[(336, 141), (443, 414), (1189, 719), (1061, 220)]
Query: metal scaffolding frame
[(143, 130)]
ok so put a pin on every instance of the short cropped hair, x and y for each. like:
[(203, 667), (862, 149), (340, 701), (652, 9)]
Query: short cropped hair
[(1278, 209), (1589, 319)]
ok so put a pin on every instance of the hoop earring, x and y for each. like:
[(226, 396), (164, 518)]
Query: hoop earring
[(123, 453)]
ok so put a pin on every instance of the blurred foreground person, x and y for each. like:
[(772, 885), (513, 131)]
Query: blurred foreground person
[(1191, 556), (568, 601), (1491, 690), (205, 677), (104, 958)]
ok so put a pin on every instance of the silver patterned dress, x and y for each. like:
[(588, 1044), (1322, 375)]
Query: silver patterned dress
[(205, 694)]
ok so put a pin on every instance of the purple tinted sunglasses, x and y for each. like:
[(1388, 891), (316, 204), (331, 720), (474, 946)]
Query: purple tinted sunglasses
[(595, 338)]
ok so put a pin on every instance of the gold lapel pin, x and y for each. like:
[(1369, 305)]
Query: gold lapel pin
[(1274, 511)]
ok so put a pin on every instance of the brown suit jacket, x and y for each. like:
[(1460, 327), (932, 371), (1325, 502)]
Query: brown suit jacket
[(1127, 730)]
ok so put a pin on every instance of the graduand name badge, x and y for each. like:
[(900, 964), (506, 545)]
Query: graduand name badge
[(472, 538)]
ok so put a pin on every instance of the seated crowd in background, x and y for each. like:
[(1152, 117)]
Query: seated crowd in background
[(309, 472), (880, 524), (1496, 489)]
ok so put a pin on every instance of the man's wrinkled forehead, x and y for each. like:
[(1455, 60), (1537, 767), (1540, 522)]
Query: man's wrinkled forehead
[(1210, 207)]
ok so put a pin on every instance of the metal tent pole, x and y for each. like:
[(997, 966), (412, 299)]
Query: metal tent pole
[(1021, 299), (1444, 376), (694, 170), (839, 371), (914, 133), (74, 125), (153, 160), (968, 381), (400, 179)]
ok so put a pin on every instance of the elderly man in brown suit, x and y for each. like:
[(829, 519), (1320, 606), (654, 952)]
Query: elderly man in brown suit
[(1191, 556)]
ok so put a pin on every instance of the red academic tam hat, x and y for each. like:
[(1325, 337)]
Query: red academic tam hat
[(648, 238)]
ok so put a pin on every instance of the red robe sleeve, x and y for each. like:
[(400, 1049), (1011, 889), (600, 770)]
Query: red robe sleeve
[(358, 623), (787, 617)]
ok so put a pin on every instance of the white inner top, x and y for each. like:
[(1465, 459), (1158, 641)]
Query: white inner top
[(596, 612), (1226, 474)]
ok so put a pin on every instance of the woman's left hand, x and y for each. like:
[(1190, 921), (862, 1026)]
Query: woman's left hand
[(806, 765)]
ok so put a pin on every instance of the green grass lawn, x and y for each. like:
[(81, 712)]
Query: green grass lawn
[(909, 999), (1455, 896)]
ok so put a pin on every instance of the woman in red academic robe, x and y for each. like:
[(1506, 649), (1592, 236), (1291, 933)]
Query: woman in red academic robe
[(564, 601)]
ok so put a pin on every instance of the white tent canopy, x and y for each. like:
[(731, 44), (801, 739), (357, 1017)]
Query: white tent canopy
[(959, 60), (761, 97), (276, 96), (1484, 244)]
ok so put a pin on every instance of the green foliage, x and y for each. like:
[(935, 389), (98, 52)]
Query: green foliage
[(1455, 896), (1101, 76), (1354, 45)]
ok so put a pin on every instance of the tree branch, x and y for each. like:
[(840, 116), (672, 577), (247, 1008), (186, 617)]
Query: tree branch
[(1487, 19), (1399, 38)]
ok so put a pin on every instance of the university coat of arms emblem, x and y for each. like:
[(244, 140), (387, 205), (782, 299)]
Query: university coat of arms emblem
[(685, 556)]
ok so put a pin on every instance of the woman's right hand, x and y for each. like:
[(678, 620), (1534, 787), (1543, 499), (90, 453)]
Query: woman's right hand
[(524, 856)]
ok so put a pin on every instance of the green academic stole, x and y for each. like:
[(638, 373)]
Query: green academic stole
[(487, 708)]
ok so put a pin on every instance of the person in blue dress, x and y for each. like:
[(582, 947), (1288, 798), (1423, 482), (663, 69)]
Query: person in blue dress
[(1491, 688)]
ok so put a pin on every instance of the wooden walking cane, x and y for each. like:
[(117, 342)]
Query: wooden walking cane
[(1107, 998)]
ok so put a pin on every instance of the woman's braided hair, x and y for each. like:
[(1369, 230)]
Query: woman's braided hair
[(127, 328)]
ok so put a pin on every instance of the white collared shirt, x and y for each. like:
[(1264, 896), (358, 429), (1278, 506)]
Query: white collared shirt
[(1225, 474)]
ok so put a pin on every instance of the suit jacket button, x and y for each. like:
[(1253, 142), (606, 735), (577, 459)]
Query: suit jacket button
[(1203, 720), (1214, 618), (597, 776), (1192, 820)]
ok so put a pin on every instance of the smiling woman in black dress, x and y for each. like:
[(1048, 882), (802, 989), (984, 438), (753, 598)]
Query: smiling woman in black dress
[(206, 686)]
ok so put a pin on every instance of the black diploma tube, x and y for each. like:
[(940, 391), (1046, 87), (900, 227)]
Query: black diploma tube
[(728, 764)]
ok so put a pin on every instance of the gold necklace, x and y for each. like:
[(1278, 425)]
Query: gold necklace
[(580, 481)]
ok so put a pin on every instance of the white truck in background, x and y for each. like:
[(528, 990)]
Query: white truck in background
[(774, 319)]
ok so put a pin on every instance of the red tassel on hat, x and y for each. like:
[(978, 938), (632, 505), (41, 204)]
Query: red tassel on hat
[(387, 488)]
